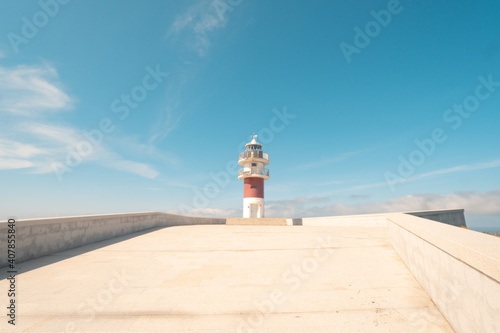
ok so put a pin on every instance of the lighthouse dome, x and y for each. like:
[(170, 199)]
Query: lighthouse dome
[(254, 144)]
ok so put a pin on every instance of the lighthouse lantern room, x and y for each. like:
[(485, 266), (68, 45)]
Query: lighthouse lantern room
[(254, 173)]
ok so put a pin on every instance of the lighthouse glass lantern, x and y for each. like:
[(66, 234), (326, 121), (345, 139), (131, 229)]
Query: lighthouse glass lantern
[(254, 173)]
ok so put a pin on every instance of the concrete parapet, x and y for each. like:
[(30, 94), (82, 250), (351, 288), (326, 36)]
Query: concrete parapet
[(39, 237), (458, 268), (169, 220), (255, 221), (454, 217)]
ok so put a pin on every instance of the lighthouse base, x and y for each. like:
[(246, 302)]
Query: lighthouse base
[(263, 221), (253, 207)]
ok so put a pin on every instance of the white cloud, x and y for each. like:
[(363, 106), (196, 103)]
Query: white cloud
[(53, 144), (14, 163), (475, 203), (173, 114), (208, 212), (14, 149), (198, 20), (470, 167), (193, 28), (167, 123), (333, 182), (115, 161), (293, 207), (34, 144), (17, 155), (26, 90), (132, 146), (48, 144), (459, 168), (181, 22), (325, 161), (63, 135)]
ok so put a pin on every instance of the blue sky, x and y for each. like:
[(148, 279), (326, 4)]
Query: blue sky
[(364, 107)]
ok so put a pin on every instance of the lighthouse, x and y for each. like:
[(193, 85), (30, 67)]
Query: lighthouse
[(254, 173)]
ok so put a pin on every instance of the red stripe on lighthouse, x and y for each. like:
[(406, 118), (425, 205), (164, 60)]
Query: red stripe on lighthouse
[(253, 187)]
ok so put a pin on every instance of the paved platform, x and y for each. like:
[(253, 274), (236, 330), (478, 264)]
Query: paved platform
[(220, 278)]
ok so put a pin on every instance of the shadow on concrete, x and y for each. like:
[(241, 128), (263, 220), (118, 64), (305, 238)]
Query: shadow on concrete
[(35, 263), (297, 221)]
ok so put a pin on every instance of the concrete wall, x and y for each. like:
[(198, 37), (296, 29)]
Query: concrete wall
[(368, 220), (451, 216), (255, 221), (458, 268), (454, 217), (38, 237)]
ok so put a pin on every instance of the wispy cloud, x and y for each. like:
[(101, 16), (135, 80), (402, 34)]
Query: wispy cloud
[(326, 161), (57, 141), (133, 147), (192, 28), (196, 23), (172, 115), (294, 207), (470, 167), (181, 22), (459, 168), (16, 155), (28, 90), (11, 148), (34, 146), (475, 203), (63, 135), (335, 182), (30, 141), (208, 212), (29, 94), (14, 163), (117, 162)]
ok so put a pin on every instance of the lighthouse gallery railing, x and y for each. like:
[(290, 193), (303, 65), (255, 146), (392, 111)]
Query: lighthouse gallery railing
[(254, 171), (254, 154)]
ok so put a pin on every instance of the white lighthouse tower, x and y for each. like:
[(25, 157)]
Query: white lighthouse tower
[(253, 160)]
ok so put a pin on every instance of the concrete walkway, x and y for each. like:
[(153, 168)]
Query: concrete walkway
[(222, 278)]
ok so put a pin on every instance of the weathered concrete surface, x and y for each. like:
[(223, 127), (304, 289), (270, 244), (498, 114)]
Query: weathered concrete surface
[(38, 237), (459, 269), (454, 217), (255, 221), (219, 278)]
